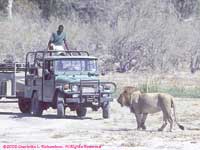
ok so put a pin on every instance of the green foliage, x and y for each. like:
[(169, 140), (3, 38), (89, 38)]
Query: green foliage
[(183, 92), (150, 86)]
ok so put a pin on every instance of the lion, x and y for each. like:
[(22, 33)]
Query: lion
[(141, 104)]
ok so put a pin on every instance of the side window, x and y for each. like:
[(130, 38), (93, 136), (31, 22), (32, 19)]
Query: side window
[(39, 66), (48, 69), (30, 64), (49, 65)]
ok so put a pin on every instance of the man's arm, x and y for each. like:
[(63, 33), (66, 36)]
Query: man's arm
[(66, 45), (50, 42), (50, 46), (65, 41)]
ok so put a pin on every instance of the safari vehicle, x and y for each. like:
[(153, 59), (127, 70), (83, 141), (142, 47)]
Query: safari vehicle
[(8, 80), (61, 79)]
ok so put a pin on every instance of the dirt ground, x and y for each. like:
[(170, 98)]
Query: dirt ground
[(118, 132)]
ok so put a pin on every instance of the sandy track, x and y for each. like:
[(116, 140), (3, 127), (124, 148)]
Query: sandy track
[(118, 131)]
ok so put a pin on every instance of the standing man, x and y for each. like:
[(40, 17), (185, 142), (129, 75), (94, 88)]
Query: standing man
[(57, 40)]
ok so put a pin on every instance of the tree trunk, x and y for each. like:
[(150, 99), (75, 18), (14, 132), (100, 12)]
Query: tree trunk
[(46, 6), (9, 9)]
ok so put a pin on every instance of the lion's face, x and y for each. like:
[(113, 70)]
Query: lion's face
[(125, 97), (121, 100)]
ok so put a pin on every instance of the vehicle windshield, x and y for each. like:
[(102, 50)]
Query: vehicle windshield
[(78, 65)]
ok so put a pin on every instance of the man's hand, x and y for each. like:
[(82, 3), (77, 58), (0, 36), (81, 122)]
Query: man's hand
[(66, 45), (51, 47)]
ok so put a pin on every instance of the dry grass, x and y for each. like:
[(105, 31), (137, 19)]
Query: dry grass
[(182, 84)]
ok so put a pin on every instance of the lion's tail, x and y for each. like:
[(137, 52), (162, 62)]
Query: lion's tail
[(175, 118)]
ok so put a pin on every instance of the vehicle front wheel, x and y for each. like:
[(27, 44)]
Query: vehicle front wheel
[(106, 110), (60, 108), (24, 105), (36, 105), (81, 111)]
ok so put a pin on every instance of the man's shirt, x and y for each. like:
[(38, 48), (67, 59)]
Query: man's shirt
[(58, 39)]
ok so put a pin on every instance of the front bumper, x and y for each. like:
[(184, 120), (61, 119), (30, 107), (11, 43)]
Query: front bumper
[(84, 100), (92, 91)]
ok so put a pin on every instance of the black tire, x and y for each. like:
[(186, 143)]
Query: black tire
[(106, 110), (60, 108), (36, 105), (81, 111), (24, 105)]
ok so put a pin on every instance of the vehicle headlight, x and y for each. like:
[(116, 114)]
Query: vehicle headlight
[(107, 88), (75, 95), (101, 87), (105, 95), (104, 88), (74, 88)]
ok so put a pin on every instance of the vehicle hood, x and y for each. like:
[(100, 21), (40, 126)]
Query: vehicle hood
[(74, 78)]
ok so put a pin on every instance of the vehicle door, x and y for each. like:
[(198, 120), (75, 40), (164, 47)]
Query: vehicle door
[(48, 81)]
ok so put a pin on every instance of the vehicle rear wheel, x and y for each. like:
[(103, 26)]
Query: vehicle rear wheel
[(24, 105), (36, 105), (106, 110), (81, 111), (60, 108)]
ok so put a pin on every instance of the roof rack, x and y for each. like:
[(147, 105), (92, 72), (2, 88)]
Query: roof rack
[(70, 53), (11, 67), (40, 55)]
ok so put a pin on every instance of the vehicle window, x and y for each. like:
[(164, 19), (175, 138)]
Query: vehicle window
[(75, 65), (91, 65)]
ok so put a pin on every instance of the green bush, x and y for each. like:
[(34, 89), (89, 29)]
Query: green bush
[(184, 92)]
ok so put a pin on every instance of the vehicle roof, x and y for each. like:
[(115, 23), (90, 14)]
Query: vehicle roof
[(70, 57)]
